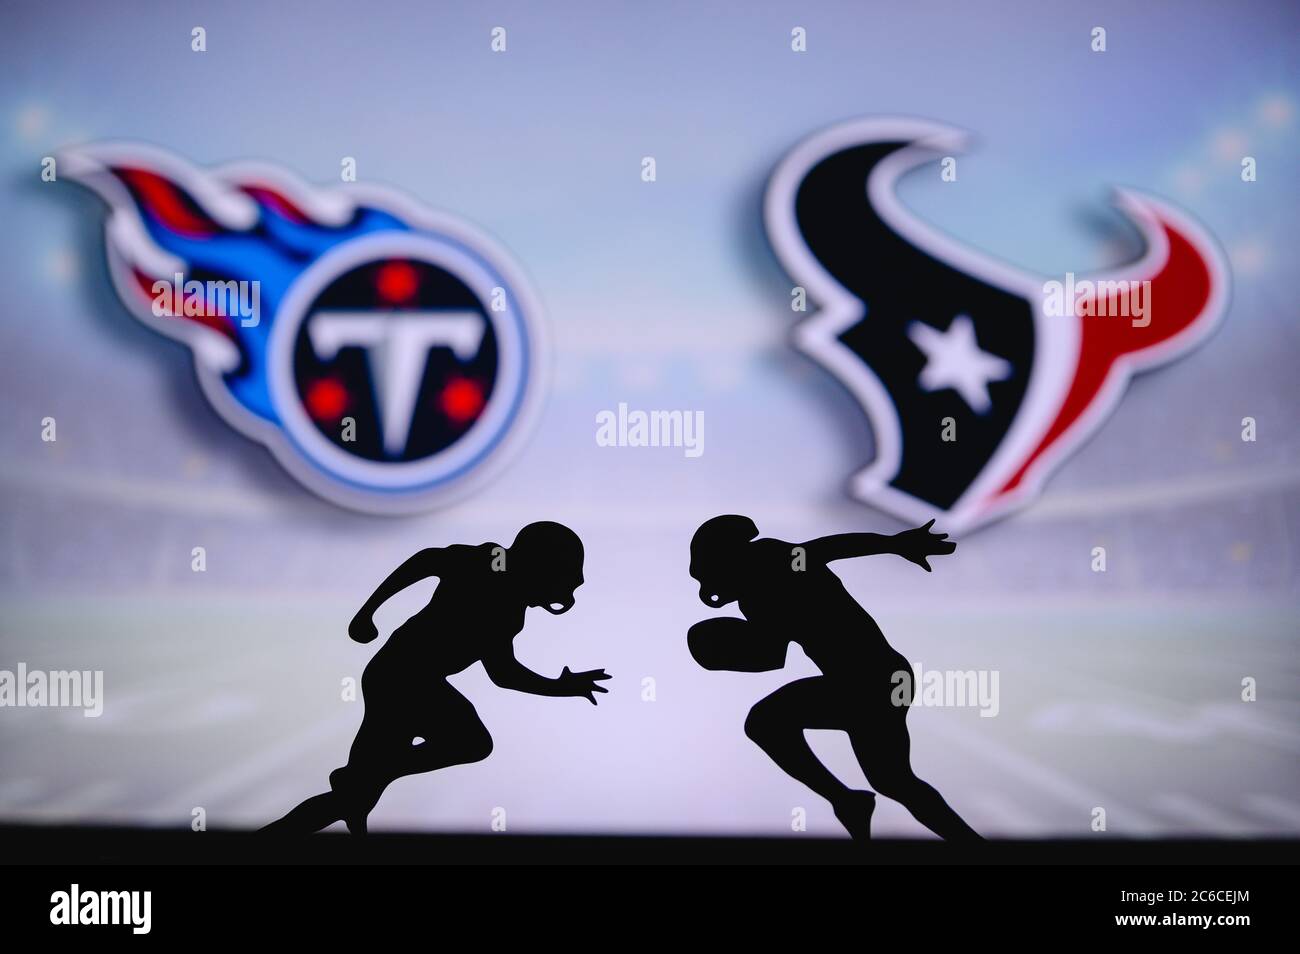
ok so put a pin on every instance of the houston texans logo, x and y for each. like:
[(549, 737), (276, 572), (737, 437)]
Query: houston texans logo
[(385, 354), (975, 385)]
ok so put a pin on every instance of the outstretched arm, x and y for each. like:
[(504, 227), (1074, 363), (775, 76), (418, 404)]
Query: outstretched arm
[(509, 673), (421, 566), (913, 545)]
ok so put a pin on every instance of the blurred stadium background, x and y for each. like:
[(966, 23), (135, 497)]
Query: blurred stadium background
[(1118, 690)]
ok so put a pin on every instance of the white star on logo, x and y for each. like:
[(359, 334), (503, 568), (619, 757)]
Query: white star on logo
[(954, 360)]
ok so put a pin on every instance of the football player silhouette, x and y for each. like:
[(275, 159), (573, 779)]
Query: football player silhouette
[(788, 593), (415, 721)]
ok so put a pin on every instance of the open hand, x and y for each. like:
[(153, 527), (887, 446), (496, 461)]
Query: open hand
[(583, 683), (917, 544)]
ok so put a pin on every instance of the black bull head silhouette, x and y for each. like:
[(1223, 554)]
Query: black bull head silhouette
[(976, 386)]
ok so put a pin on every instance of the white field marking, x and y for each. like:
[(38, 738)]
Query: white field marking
[(159, 496), (1004, 815), (16, 792), (1286, 683), (144, 704), (1081, 798), (155, 496), (1247, 724), (1194, 725), (1066, 604), (1257, 653), (1161, 495), (900, 610), (267, 763), (271, 801), (1205, 817), (164, 559), (80, 802), (1159, 703), (1276, 809), (18, 554)]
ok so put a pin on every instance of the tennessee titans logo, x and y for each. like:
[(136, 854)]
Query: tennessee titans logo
[(391, 355), (975, 386)]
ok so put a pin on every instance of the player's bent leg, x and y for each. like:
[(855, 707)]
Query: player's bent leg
[(393, 742), (371, 767), (853, 810), (924, 802), (363, 790), (358, 788), (354, 789), (429, 755), (776, 725), (884, 752), (458, 737)]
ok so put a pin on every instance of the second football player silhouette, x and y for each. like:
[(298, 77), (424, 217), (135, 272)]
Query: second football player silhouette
[(787, 593)]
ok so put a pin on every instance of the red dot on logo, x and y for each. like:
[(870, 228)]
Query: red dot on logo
[(326, 399), (397, 281), (461, 399)]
